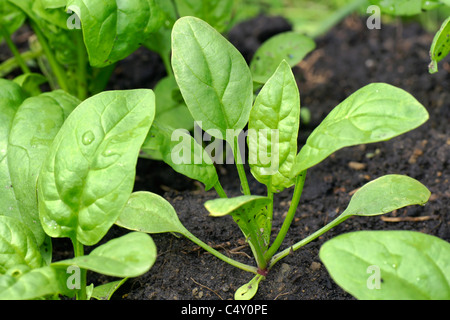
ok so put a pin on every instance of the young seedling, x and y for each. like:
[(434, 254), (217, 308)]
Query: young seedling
[(67, 170), (217, 86)]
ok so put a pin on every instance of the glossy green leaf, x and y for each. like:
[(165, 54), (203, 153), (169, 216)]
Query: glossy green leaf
[(150, 213), (105, 291), (440, 47), (216, 13), (402, 7), (180, 151), (389, 265), (273, 130), (248, 212), (387, 194), (11, 97), (248, 290), (18, 248), (11, 17), (35, 284), (213, 77), (289, 46), (30, 82), (89, 172), (35, 125), (170, 107), (376, 112), (128, 256), (114, 29)]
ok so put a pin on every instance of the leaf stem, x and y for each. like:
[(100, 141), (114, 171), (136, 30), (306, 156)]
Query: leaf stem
[(240, 167), (300, 181), (14, 50), (81, 67), (78, 250), (219, 255), (56, 67)]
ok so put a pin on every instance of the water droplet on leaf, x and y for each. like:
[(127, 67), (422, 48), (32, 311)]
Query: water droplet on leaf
[(88, 138)]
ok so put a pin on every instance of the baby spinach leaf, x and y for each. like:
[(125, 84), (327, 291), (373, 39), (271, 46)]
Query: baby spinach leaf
[(30, 82), (440, 47), (114, 29), (389, 265), (276, 113), (386, 194), (128, 256), (105, 291), (35, 125), (213, 77), (19, 251), (182, 153), (216, 13), (11, 17), (89, 172), (376, 112), (250, 213), (150, 213), (170, 107), (36, 283), (289, 46)]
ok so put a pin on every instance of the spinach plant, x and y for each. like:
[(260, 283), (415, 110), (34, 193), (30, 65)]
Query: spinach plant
[(217, 86), (67, 169)]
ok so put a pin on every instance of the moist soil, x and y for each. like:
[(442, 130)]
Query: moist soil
[(349, 57)]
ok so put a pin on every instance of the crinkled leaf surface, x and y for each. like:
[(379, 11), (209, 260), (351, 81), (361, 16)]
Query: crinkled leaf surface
[(89, 172), (213, 77), (35, 125), (289, 46), (182, 152), (18, 248), (114, 29), (273, 130), (376, 112), (410, 265)]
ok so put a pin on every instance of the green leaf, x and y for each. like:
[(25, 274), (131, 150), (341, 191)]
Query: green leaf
[(114, 29), (399, 7), (170, 107), (387, 194), (105, 291), (150, 213), (213, 77), (248, 290), (440, 47), (376, 112), (30, 82), (33, 130), (89, 172), (273, 129), (128, 256), (217, 13), (182, 152), (289, 46), (19, 251), (35, 284), (249, 212), (389, 265), (11, 17)]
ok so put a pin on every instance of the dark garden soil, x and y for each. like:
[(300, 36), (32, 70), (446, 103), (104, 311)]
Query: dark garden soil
[(348, 58)]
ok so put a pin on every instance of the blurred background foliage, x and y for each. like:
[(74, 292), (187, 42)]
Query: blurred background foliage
[(316, 17)]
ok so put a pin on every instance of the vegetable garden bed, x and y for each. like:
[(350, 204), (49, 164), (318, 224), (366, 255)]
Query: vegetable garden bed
[(347, 58)]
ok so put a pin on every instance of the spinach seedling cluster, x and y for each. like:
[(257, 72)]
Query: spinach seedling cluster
[(217, 86), (67, 169)]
